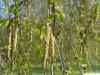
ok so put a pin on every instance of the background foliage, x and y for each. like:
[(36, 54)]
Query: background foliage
[(62, 35)]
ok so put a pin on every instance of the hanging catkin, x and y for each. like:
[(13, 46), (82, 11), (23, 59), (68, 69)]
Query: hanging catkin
[(47, 39), (9, 39), (15, 39), (53, 47)]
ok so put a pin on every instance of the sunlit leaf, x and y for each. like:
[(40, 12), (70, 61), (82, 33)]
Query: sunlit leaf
[(4, 22), (43, 32), (38, 50), (60, 14)]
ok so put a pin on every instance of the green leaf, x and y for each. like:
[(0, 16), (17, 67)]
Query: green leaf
[(38, 50), (98, 35), (62, 17), (51, 16), (39, 26), (81, 58), (37, 33), (13, 9), (43, 32), (60, 14), (56, 0), (4, 22), (49, 1)]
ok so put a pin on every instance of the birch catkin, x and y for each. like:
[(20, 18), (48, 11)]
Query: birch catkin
[(9, 40), (53, 47), (15, 39), (47, 39)]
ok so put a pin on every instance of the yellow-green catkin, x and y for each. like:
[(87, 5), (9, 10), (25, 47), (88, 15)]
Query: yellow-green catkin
[(53, 47), (47, 39), (15, 39), (9, 40)]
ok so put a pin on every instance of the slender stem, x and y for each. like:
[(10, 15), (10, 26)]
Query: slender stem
[(60, 56)]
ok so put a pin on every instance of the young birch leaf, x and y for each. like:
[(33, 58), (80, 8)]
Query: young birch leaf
[(38, 51), (4, 22)]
